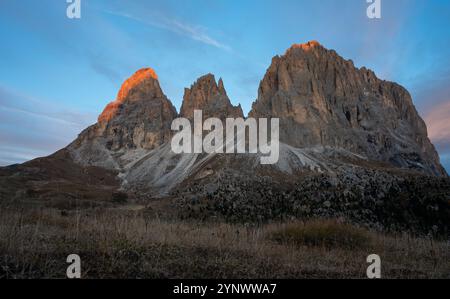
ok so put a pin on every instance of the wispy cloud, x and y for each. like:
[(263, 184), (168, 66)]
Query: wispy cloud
[(31, 128), (16, 103), (197, 33)]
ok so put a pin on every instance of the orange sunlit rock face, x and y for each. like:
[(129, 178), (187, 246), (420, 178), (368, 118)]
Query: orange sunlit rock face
[(130, 84), (135, 80), (109, 111), (306, 46)]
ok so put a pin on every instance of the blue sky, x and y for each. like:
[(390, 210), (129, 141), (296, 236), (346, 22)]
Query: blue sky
[(57, 74)]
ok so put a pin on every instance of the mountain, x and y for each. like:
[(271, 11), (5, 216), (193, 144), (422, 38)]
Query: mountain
[(324, 100), (139, 118), (351, 145)]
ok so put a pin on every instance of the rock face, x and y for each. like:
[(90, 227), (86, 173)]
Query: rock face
[(210, 97), (333, 116), (140, 118), (324, 100)]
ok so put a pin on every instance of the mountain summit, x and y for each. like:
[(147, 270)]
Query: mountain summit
[(139, 118), (207, 95), (324, 100), (142, 85)]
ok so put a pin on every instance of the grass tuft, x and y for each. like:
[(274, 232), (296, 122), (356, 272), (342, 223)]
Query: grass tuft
[(322, 233)]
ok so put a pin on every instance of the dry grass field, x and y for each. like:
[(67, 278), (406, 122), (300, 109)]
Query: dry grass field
[(130, 242)]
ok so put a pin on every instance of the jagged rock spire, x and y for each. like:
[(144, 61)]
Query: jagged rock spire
[(206, 95)]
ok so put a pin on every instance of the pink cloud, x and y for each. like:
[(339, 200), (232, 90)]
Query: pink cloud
[(438, 122)]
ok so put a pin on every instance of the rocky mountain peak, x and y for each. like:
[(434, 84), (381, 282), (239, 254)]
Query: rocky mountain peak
[(322, 99), (140, 80), (221, 87), (143, 85), (139, 118), (211, 97), (306, 46)]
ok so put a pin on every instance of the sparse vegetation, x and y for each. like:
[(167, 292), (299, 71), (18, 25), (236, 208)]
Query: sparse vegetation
[(137, 243), (323, 233), (119, 197)]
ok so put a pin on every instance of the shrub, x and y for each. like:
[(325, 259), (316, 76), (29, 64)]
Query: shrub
[(119, 197), (325, 233)]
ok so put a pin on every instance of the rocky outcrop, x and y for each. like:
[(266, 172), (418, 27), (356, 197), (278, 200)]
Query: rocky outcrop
[(372, 198), (324, 100), (140, 118), (210, 97)]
